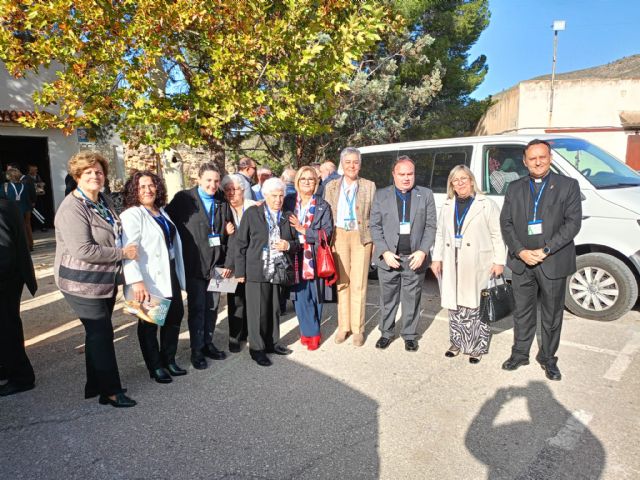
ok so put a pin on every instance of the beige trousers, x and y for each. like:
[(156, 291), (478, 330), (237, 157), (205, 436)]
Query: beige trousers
[(352, 260)]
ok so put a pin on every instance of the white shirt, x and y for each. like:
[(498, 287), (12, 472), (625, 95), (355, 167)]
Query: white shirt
[(345, 213)]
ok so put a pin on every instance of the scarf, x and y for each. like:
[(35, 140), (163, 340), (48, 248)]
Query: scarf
[(305, 217)]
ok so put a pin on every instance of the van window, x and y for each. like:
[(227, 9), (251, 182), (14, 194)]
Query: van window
[(376, 166), (501, 165), (434, 164)]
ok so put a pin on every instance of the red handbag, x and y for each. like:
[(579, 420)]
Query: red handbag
[(324, 257)]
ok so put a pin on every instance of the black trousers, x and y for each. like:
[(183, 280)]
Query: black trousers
[(530, 289), (100, 355), (158, 356), (202, 307), (13, 357), (263, 315), (236, 304)]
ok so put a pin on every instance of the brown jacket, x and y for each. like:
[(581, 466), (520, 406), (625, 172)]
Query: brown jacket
[(366, 191)]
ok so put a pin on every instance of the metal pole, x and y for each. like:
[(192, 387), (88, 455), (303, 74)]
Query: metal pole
[(553, 73)]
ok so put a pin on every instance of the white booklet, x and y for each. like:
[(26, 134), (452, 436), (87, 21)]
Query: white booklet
[(220, 284)]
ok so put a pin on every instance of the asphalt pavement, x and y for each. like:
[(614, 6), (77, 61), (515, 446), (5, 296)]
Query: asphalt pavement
[(340, 412)]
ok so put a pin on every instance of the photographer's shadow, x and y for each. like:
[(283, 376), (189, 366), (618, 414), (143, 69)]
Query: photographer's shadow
[(554, 444)]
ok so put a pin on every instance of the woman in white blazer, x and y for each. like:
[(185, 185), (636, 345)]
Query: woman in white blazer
[(159, 269), (467, 252)]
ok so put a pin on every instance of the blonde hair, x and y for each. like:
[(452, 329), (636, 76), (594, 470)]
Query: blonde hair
[(461, 168), (302, 170), (85, 159), (14, 175)]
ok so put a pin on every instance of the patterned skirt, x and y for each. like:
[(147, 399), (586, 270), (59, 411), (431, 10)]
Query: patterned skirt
[(467, 332)]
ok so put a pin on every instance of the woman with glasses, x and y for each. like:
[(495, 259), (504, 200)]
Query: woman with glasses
[(467, 252), (158, 271), (232, 186), (311, 214)]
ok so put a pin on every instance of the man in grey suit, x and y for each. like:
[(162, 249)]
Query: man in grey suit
[(403, 229)]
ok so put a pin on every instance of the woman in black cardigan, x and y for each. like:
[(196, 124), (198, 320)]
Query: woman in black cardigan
[(263, 235), (311, 214)]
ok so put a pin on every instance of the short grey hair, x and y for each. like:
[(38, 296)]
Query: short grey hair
[(350, 151), (272, 184), (232, 179), (263, 169)]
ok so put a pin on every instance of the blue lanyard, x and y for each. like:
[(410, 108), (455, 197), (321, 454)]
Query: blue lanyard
[(460, 220), (103, 211), (165, 226), (302, 213), (349, 202), (536, 200), (403, 197), (270, 218)]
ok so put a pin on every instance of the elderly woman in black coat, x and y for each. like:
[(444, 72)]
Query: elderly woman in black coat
[(265, 240), (311, 215)]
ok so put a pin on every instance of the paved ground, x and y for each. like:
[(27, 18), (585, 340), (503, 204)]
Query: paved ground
[(341, 412)]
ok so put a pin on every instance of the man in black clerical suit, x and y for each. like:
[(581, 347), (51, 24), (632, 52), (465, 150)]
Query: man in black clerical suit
[(16, 269), (539, 220)]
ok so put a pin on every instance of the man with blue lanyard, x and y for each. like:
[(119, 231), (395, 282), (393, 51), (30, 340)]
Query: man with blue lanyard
[(403, 228), (540, 218)]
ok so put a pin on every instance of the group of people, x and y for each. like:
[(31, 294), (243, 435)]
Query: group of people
[(270, 245)]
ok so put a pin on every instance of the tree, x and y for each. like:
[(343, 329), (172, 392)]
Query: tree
[(189, 71)]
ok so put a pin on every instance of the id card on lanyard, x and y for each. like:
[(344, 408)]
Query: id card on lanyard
[(460, 222), (105, 213), (534, 227), (350, 221), (405, 226), (213, 237), (302, 213)]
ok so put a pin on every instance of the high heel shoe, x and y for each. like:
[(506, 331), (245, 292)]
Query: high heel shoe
[(313, 343), (121, 401)]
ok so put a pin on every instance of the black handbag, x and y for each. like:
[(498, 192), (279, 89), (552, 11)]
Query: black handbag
[(282, 273), (496, 301)]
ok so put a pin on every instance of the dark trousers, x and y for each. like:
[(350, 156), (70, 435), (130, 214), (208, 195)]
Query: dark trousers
[(263, 315), (158, 356), (400, 286), (202, 307), (530, 289), (13, 357), (236, 304), (100, 355), (308, 309)]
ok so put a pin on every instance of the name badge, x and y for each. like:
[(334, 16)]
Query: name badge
[(214, 240), (458, 241), (535, 228), (349, 224), (405, 228), (119, 241), (301, 239)]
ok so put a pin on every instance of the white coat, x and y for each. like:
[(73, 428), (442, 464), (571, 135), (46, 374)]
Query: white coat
[(482, 246), (152, 266)]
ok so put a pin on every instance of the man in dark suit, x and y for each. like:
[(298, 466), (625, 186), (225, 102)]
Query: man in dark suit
[(16, 270), (539, 220), (403, 229), (202, 220)]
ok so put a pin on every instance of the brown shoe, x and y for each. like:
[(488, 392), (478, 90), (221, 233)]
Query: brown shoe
[(341, 336), (358, 339)]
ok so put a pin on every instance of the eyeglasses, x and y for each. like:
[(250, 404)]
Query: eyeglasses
[(457, 181), (307, 180), (147, 187)]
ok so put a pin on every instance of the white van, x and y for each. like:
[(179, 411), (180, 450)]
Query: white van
[(605, 287)]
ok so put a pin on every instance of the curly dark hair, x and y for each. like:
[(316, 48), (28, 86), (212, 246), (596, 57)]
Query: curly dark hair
[(131, 189)]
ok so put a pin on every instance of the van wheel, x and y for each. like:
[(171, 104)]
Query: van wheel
[(603, 288)]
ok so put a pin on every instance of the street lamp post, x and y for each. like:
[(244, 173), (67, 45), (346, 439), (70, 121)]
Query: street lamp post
[(558, 25)]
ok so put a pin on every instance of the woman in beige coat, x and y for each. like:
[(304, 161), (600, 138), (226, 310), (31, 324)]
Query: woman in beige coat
[(468, 251)]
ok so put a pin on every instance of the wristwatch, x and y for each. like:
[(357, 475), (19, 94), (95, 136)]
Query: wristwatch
[(546, 250)]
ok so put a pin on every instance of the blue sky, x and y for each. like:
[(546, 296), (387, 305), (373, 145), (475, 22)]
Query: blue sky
[(519, 40)]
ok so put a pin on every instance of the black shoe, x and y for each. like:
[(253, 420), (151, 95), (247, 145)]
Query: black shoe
[(212, 352), (475, 360), (383, 342), (11, 388), (121, 401), (411, 345), (552, 371), (174, 370), (280, 350), (260, 358), (197, 360), (235, 347), (513, 364), (452, 352), (161, 375)]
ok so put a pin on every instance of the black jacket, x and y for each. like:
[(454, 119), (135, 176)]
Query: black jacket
[(252, 237), (16, 266), (192, 221), (561, 214)]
